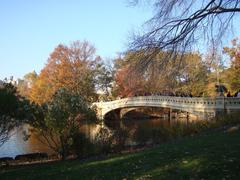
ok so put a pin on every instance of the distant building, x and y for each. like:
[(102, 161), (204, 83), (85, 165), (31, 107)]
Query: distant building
[(1, 83)]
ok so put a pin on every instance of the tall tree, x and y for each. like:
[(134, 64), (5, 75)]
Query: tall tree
[(14, 110), (104, 80), (72, 67), (232, 74), (193, 75), (128, 82)]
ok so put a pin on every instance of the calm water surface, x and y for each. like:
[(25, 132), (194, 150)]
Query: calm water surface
[(17, 145)]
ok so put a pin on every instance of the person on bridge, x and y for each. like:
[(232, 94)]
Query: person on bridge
[(238, 94), (229, 94)]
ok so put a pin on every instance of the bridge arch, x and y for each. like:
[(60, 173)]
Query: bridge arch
[(120, 112)]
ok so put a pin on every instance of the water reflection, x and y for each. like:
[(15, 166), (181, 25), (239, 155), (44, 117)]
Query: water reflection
[(134, 131), (17, 144)]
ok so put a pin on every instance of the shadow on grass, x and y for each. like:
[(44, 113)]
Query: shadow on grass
[(198, 157)]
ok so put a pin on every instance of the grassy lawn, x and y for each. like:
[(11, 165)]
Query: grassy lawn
[(215, 156)]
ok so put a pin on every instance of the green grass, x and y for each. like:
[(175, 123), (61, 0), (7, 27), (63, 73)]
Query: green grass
[(215, 156)]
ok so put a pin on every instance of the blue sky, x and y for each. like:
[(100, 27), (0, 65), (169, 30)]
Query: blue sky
[(30, 30)]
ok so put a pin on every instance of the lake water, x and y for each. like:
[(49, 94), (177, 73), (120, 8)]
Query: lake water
[(17, 145), (135, 130)]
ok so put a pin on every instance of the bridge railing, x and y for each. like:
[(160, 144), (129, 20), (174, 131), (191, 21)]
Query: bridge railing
[(232, 103)]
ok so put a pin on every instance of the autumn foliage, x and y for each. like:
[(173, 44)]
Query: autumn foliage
[(232, 74), (187, 75), (71, 67)]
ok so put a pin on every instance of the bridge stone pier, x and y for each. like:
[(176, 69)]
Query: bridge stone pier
[(203, 108)]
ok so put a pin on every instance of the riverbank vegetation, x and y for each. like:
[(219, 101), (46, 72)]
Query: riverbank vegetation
[(200, 157)]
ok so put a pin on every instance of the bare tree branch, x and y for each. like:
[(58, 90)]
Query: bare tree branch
[(178, 25)]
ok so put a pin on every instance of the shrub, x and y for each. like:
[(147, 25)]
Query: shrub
[(119, 139), (82, 146), (104, 141)]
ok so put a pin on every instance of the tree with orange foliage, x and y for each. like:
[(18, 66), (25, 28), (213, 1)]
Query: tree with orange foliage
[(72, 67), (232, 74), (187, 77), (128, 83)]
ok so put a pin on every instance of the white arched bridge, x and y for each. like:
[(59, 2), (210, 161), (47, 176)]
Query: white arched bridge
[(200, 106)]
